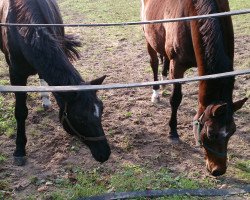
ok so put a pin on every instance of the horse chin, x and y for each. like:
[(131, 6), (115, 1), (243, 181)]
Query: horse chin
[(100, 150)]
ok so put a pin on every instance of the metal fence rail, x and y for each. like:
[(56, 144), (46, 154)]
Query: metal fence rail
[(197, 17), (171, 192), (129, 85), (147, 193), (117, 86)]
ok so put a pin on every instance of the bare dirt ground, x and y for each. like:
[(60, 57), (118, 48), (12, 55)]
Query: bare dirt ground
[(136, 129)]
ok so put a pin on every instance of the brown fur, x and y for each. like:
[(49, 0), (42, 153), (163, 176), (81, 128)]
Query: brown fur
[(207, 44)]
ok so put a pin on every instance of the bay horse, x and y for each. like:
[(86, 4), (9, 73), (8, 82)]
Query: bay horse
[(209, 45), (48, 51)]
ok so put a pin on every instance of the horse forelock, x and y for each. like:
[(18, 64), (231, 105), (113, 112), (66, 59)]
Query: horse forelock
[(212, 38)]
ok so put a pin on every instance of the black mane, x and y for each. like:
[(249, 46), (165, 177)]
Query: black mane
[(54, 65), (212, 37), (216, 58)]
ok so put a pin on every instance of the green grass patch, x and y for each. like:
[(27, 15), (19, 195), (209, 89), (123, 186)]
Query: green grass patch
[(243, 169), (7, 120), (239, 4), (129, 178), (134, 177), (4, 82), (2, 158), (166, 93), (108, 11), (128, 114), (105, 11), (241, 22)]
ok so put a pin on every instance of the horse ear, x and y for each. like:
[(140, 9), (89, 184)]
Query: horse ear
[(238, 104), (218, 110), (97, 81)]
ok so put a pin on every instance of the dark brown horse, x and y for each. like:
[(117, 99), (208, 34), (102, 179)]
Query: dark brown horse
[(209, 45), (48, 51)]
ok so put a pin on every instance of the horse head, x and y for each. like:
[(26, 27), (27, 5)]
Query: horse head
[(216, 126), (81, 116)]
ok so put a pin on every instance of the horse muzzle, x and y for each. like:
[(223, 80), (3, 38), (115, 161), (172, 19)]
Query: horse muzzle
[(216, 170), (100, 150)]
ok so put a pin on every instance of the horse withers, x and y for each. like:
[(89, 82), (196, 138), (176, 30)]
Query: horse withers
[(209, 45), (48, 51)]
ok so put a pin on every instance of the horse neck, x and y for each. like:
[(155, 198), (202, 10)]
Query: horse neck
[(213, 46), (59, 71), (56, 69), (43, 47)]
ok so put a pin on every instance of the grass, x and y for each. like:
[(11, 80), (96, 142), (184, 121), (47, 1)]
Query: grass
[(7, 120), (243, 169), (241, 22), (2, 158), (4, 82), (130, 178), (128, 114), (109, 11)]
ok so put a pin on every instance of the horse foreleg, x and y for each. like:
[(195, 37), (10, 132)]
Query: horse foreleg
[(21, 113), (175, 99), (165, 69), (154, 63), (45, 95)]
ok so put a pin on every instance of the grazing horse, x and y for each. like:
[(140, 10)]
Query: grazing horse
[(48, 51), (209, 45)]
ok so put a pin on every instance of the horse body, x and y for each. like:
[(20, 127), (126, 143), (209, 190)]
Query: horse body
[(207, 44), (160, 36), (48, 52)]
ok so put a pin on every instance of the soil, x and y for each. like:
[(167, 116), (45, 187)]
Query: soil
[(136, 129)]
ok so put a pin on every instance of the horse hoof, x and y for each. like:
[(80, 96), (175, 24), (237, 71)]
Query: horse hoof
[(19, 161), (174, 139)]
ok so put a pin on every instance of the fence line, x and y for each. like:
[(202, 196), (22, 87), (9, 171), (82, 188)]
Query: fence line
[(222, 14), (118, 86), (171, 192)]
